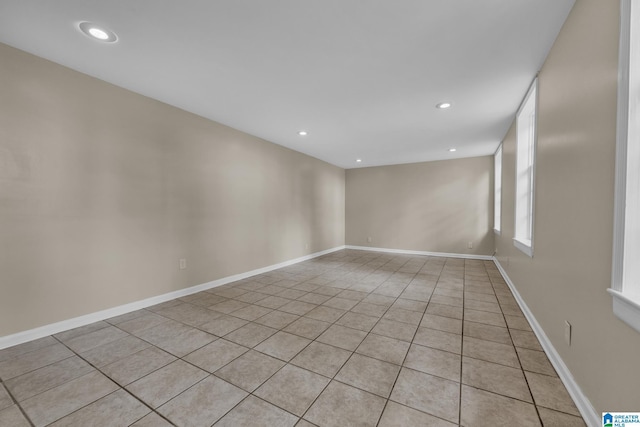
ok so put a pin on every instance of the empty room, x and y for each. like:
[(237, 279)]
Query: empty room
[(319, 213)]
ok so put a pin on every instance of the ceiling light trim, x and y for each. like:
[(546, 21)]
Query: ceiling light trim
[(97, 32)]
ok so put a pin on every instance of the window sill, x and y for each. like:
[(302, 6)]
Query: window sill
[(626, 308), (496, 231), (525, 247)]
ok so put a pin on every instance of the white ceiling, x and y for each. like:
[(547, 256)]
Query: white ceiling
[(361, 76)]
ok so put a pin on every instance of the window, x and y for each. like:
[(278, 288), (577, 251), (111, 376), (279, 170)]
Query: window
[(525, 168), (625, 277), (497, 189)]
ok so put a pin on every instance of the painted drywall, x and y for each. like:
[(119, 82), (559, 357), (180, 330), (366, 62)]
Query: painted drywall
[(436, 206), (570, 270), (102, 191)]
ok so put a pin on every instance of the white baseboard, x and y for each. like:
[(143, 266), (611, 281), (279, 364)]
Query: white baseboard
[(54, 328), (591, 417), (407, 252)]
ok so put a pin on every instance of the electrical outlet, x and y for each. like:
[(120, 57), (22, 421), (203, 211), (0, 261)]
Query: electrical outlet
[(183, 263), (369, 239), (567, 332), (470, 245)]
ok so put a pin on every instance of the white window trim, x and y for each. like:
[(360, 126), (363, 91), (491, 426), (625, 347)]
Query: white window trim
[(526, 245), (626, 300), (497, 225)]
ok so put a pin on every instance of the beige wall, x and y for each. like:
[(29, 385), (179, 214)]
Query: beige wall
[(434, 206), (570, 271), (103, 190)]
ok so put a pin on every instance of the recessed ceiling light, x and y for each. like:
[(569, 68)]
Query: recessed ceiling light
[(452, 149), (97, 32), (359, 160), (302, 133), (443, 105)]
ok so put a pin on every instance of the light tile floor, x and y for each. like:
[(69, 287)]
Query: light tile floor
[(353, 338)]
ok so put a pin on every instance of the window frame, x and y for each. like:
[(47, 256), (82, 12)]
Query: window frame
[(525, 242), (497, 191), (625, 275)]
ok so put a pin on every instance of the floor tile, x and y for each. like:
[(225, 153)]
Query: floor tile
[(215, 355), (293, 389), (481, 408), (427, 393), (411, 305), (517, 322), (314, 298), (525, 339), (535, 361), (343, 337), (228, 306), (441, 323), (277, 319), (19, 350), (444, 310), (223, 325), (203, 299), (283, 345), (490, 351), (203, 404), (369, 309), (145, 321), (341, 303), (435, 362), (382, 300), (474, 296), (31, 361), (48, 377), (485, 317), (182, 343), (396, 415), (60, 401), (447, 300), (550, 392), (341, 405), (152, 420), (552, 418), (189, 314), (439, 339), (273, 302), (321, 358), (113, 351), (136, 366), (402, 315), (325, 314), (297, 307), (94, 339), (252, 312), (250, 334), (292, 293), (487, 332), (5, 399), (495, 378), (358, 321), (114, 410), (82, 330), (167, 382), (307, 327), (12, 417), (254, 412), (366, 373), (250, 370), (384, 348), (392, 329), (251, 297), (486, 306)]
